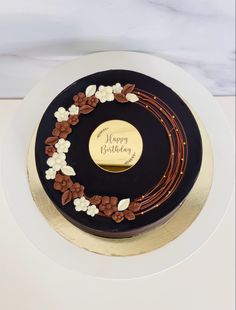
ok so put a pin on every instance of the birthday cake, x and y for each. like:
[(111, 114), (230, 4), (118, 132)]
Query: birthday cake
[(117, 152)]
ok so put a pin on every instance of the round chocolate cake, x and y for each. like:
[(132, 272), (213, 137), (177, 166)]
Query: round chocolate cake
[(117, 152)]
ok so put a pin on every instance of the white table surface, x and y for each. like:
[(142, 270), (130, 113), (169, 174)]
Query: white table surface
[(30, 280)]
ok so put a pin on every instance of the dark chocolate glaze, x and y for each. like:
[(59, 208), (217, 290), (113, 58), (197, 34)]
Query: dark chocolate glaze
[(140, 178)]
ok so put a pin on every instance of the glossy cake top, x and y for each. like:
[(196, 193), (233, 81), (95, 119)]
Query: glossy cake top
[(117, 151)]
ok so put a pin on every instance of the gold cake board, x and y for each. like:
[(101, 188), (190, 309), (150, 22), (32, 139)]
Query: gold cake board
[(144, 242)]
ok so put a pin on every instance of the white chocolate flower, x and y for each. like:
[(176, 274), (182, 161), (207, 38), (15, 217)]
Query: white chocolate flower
[(81, 204), (104, 93), (50, 174), (92, 210), (74, 110), (61, 114), (57, 161), (62, 146), (117, 88)]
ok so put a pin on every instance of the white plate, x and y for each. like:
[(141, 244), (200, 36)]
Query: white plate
[(35, 227)]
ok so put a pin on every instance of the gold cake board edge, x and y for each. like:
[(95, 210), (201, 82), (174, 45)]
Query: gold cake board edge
[(144, 242)]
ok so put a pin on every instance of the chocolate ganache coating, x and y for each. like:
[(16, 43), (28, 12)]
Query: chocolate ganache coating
[(152, 190)]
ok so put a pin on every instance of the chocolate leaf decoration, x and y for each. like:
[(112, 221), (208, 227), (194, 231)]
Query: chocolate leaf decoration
[(120, 98), (132, 97), (86, 109), (66, 197), (123, 204), (90, 90), (68, 170), (51, 140), (128, 88)]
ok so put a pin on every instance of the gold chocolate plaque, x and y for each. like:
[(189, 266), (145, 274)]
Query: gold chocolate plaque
[(115, 146)]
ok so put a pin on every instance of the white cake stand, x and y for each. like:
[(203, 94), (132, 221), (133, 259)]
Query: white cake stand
[(15, 183)]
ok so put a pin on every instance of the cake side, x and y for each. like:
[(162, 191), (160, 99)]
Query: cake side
[(112, 213)]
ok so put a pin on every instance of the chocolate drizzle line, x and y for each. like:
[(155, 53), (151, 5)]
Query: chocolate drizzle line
[(178, 152)]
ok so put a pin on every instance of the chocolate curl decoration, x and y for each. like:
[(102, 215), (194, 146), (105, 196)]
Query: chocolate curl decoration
[(178, 152)]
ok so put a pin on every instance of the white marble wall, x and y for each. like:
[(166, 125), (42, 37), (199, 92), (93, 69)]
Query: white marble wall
[(37, 35)]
